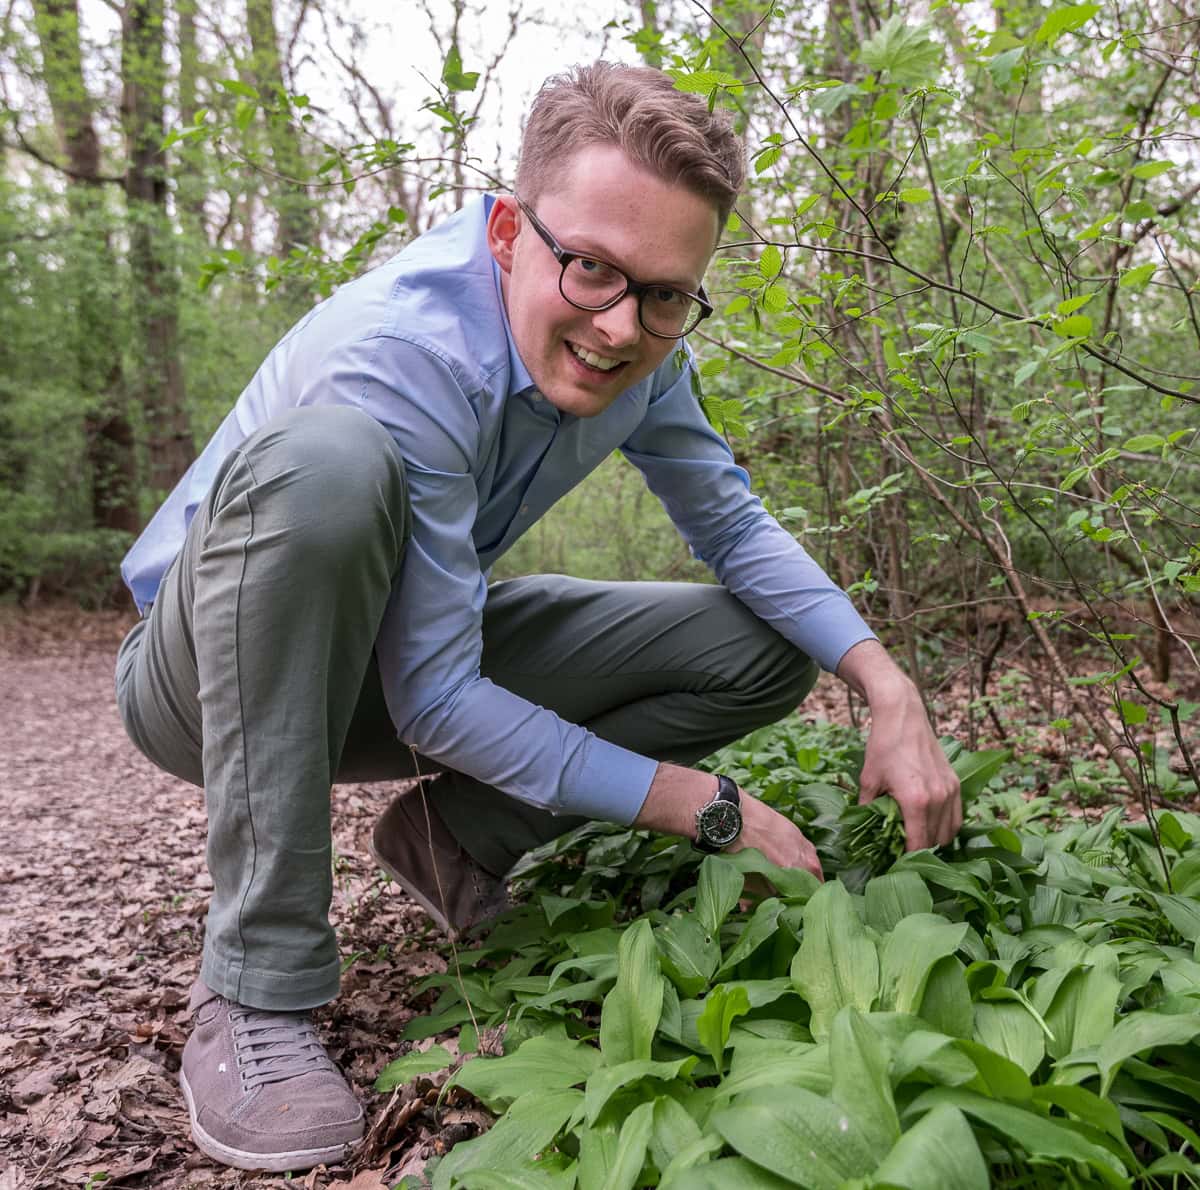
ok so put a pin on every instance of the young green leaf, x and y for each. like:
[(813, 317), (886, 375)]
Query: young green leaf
[(528, 1126), (548, 1063), (946, 1001), (623, 1157), (403, 1070), (939, 1152), (975, 769), (858, 1061), (1138, 1032), (721, 1006), (1081, 1010), (717, 892), (1138, 277), (889, 898), (909, 952), (1007, 1028), (673, 1133), (1041, 1138), (689, 954), (761, 927), (906, 52), (837, 963), (608, 1080), (632, 1009), (1064, 19), (797, 1135), (1078, 326)]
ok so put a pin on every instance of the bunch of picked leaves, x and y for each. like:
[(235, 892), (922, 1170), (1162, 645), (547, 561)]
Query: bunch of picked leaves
[(871, 839)]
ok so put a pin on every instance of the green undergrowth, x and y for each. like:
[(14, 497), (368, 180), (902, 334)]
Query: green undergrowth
[(1020, 1009)]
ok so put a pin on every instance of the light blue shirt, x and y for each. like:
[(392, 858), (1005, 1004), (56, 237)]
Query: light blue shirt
[(423, 345)]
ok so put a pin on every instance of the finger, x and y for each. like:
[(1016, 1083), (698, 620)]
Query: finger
[(950, 812), (957, 807), (937, 818), (918, 826)]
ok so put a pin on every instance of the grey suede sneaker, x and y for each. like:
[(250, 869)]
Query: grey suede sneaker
[(435, 871), (261, 1090)]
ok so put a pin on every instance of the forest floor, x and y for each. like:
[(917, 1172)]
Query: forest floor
[(104, 889)]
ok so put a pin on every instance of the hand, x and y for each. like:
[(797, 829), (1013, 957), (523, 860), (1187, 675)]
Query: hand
[(903, 755), (777, 837), (905, 760)]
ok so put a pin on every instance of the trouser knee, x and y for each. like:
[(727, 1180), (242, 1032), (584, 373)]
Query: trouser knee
[(328, 479)]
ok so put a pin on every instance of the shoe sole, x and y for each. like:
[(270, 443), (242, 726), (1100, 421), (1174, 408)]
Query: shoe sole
[(415, 894), (298, 1159)]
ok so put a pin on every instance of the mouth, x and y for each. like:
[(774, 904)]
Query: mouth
[(593, 362)]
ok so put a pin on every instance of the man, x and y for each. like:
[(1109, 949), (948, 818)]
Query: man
[(316, 607)]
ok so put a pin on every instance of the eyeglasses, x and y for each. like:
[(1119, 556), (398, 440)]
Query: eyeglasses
[(592, 284)]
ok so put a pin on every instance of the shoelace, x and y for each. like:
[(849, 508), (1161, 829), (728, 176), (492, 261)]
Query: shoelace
[(273, 1046)]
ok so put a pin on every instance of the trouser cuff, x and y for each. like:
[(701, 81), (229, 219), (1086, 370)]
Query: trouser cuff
[(275, 991)]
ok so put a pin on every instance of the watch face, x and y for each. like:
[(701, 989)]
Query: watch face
[(721, 823)]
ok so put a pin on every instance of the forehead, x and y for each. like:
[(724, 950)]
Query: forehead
[(602, 202)]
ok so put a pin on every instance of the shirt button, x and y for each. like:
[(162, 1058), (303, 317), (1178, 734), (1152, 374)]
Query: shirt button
[(537, 396), (524, 509)]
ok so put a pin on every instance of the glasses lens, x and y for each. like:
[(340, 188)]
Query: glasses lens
[(592, 283), (669, 312)]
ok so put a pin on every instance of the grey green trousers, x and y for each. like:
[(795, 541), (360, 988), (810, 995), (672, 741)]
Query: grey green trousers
[(253, 675)]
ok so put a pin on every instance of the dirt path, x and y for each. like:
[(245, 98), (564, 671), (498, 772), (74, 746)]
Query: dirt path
[(103, 892)]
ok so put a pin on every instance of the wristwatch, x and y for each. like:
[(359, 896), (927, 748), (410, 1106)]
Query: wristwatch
[(719, 822)]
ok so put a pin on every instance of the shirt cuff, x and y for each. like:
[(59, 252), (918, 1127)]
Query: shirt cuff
[(852, 634), (611, 784)]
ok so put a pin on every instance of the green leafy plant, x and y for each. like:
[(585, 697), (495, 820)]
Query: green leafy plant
[(1021, 1010)]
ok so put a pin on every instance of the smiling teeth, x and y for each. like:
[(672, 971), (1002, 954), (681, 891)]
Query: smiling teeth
[(596, 361)]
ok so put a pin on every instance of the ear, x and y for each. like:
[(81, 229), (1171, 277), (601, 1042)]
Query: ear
[(502, 228)]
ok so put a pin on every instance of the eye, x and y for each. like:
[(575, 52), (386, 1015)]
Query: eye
[(595, 270), (667, 297)]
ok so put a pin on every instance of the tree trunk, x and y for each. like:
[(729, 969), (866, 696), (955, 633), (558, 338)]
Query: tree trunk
[(111, 454), (191, 185), (158, 382), (297, 225)]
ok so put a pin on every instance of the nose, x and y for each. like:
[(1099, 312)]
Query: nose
[(619, 324)]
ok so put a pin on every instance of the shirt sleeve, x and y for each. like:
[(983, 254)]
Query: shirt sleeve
[(430, 641), (707, 496)]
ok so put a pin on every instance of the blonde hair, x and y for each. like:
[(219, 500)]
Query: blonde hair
[(668, 132)]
